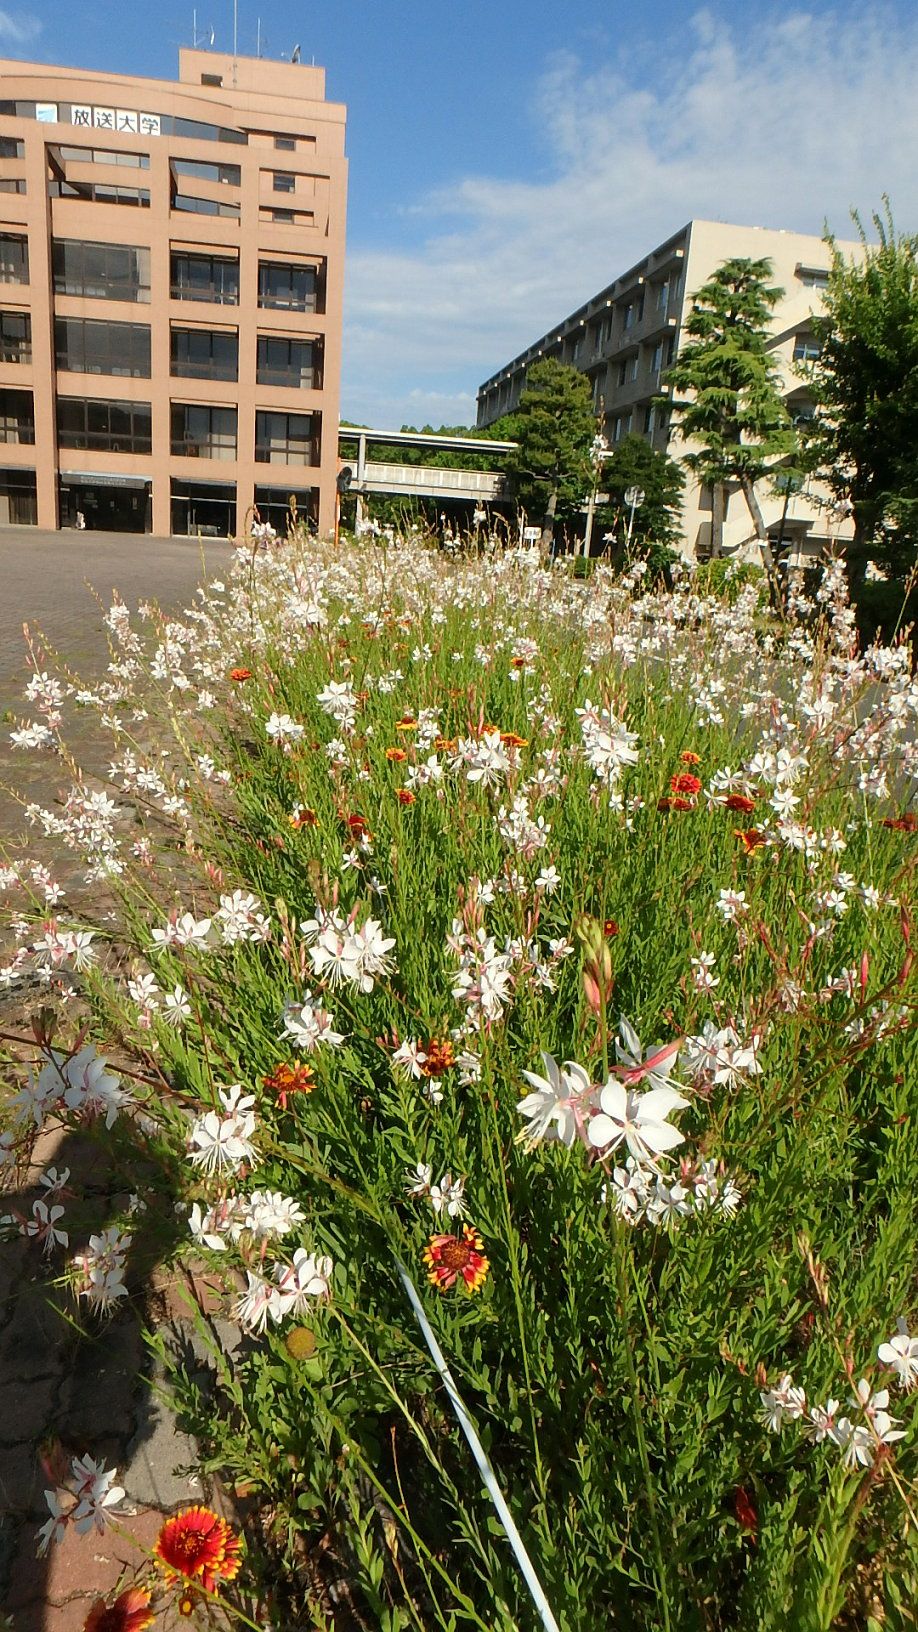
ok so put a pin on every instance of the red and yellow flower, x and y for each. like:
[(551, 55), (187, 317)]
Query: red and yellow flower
[(396, 755), (199, 1547), (240, 674), (405, 796), (751, 839), (295, 1078), (685, 783), (741, 802), (451, 1257), (440, 1056), (129, 1613), (689, 758)]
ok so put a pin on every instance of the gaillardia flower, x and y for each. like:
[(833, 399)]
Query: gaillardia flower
[(200, 1546), (129, 1613), (450, 1256)]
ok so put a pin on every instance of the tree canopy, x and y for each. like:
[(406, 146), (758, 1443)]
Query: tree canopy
[(554, 425), (636, 463), (735, 413)]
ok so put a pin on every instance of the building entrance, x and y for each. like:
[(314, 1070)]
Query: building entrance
[(106, 504)]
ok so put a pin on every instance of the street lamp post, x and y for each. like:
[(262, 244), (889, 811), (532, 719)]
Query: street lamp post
[(634, 498)]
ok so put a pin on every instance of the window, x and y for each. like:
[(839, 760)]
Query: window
[(203, 509), (14, 258), (205, 354), (229, 174), (640, 308), (622, 373), (17, 417), (98, 155), (303, 219), (284, 182), (192, 205), (84, 345), (111, 427), (98, 192), (15, 337), (663, 297), (628, 317), (657, 360), (10, 148), (289, 288), (286, 144), (813, 277), (576, 348), (8, 185), (634, 365), (806, 348), (649, 421), (18, 500), (215, 80), (286, 439), (297, 363), (102, 271), (621, 427), (274, 506), (202, 432), (205, 277)]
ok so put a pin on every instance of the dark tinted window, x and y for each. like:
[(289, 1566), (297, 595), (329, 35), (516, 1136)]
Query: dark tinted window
[(15, 337), (14, 258), (295, 363), (286, 439), (289, 288), (202, 432), (86, 346), (205, 354), (113, 427), (103, 271), (17, 416), (205, 277)]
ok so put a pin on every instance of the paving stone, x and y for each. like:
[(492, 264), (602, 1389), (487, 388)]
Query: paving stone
[(104, 1380), (27, 1408), (157, 1450), (21, 1481)]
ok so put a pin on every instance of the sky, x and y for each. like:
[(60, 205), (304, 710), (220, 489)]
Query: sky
[(509, 158)]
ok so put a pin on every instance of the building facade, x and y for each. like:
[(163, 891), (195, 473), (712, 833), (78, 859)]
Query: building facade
[(171, 275), (626, 337)]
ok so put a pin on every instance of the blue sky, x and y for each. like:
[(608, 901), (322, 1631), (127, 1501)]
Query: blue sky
[(509, 158)]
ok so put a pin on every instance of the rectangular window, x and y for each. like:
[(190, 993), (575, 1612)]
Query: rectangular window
[(628, 317), (188, 204), (286, 439), (657, 359), (663, 297), (15, 337), (813, 277), (294, 363), (84, 345), (202, 432), (288, 288), (17, 417), (11, 148), (213, 278), (286, 144), (284, 182), (99, 155), (98, 192), (110, 427), (290, 218), (806, 348), (7, 185), (649, 421), (229, 174), (634, 365), (101, 271), (204, 354), (14, 258), (18, 499), (622, 373)]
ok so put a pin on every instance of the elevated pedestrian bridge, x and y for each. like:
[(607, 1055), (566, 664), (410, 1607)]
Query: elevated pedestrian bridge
[(421, 481)]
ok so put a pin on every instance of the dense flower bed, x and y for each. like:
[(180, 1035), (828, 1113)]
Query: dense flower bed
[(517, 976)]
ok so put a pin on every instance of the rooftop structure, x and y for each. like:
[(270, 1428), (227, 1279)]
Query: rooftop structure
[(183, 244), (625, 338)]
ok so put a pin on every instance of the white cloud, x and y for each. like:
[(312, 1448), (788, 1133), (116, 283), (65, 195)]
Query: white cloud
[(19, 27), (785, 123)]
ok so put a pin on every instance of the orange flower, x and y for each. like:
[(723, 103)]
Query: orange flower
[(449, 1256), (740, 802), (295, 1078), (396, 754), (200, 1546), (358, 827), (902, 824), (750, 838), (511, 740), (405, 796), (445, 745), (406, 723), (440, 1057), (610, 929), (302, 816), (240, 674), (675, 802), (129, 1613), (688, 758), (685, 782)]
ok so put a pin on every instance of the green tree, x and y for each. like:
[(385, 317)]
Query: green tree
[(864, 436), (554, 426), (735, 413), (635, 463)]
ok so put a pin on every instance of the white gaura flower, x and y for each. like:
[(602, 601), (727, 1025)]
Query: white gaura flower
[(448, 1196), (270, 1213), (91, 1088), (309, 1025), (417, 1179), (176, 1008), (95, 1492), (55, 1528), (259, 1301), (302, 1282), (638, 1120), (822, 1421), (203, 1228), (550, 1108), (901, 1354), (634, 1065), (784, 1403)]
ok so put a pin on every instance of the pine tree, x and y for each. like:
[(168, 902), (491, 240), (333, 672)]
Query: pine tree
[(735, 413), (554, 426)]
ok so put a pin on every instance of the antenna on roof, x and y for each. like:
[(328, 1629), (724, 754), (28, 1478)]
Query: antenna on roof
[(295, 54)]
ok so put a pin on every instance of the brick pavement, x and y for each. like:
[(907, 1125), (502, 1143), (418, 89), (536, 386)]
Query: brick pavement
[(86, 1392)]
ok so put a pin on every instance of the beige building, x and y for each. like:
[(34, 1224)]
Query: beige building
[(171, 269), (625, 338)]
